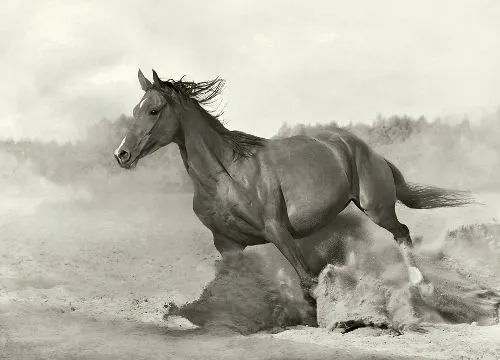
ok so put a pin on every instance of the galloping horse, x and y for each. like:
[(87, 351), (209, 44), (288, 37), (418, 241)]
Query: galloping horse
[(250, 190)]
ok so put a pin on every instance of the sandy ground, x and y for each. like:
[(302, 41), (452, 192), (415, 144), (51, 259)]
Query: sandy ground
[(92, 280)]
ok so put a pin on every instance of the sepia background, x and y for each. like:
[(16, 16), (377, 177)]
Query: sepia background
[(91, 255)]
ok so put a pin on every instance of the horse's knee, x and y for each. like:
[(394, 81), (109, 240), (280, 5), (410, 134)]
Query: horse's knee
[(390, 222), (399, 231), (226, 246), (401, 234)]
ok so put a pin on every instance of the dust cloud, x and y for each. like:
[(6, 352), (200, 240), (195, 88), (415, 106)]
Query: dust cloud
[(367, 286), (372, 287)]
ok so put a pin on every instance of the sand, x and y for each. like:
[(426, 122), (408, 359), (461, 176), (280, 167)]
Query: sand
[(90, 281)]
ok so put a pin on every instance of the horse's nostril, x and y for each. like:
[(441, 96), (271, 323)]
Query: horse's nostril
[(123, 155)]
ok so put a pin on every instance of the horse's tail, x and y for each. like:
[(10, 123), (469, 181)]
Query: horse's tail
[(418, 196)]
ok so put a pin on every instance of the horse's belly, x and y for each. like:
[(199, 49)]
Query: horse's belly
[(306, 216)]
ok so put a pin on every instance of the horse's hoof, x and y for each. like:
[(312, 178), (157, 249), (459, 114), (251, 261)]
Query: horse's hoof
[(426, 288), (309, 288), (310, 300), (313, 292), (417, 279), (415, 275), (310, 319)]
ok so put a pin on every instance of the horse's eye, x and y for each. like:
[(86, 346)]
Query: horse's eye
[(153, 112)]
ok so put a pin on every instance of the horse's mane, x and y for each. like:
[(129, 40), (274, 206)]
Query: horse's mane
[(204, 94)]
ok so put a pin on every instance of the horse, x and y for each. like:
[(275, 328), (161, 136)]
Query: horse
[(249, 190)]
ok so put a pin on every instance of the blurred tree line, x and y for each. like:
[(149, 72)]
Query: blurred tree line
[(450, 153), (459, 154), (90, 162), (384, 130)]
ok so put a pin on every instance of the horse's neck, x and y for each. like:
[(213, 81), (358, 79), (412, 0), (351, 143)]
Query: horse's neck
[(204, 151)]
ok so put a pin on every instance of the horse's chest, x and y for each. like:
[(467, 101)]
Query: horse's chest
[(226, 212), (217, 212)]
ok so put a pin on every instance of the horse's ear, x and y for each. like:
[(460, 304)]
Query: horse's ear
[(145, 83), (165, 85), (157, 80)]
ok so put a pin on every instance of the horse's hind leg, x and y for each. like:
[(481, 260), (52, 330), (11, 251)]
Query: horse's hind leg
[(387, 219), (377, 199)]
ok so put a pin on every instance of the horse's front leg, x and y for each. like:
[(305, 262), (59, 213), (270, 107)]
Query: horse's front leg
[(277, 234)]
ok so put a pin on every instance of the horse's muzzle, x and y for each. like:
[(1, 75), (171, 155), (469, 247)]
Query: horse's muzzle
[(123, 158)]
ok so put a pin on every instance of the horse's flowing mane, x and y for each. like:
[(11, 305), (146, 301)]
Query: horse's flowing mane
[(205, 94)]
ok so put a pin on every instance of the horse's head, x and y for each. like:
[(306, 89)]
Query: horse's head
[(156, 122)]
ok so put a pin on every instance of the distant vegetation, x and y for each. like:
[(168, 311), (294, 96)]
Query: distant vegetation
[(90, 163), (453, 154), (460, 155)]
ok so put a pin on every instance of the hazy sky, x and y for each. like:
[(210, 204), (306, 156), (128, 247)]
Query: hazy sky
[(67, 64)]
